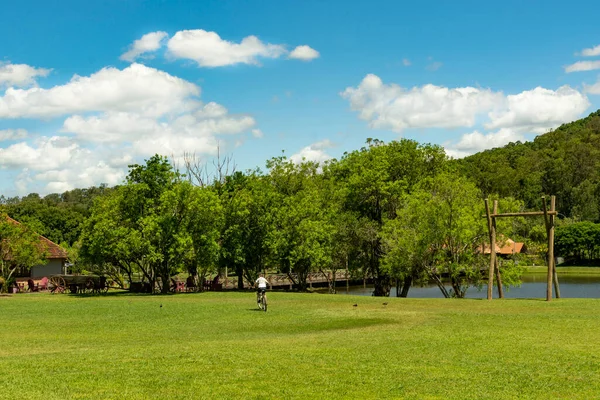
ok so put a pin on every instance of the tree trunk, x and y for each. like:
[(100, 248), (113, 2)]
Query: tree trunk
[(405, 286), (440, 284), (240, 273), (382, 285)]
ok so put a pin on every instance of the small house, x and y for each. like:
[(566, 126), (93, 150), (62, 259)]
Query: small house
[(56, 258), (505, 247)]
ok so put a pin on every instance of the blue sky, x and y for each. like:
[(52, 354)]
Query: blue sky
[(79, 99)]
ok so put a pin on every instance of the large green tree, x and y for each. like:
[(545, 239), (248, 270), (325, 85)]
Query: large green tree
[(155, 225), (301, 240), (247, 205), (436, 234), (578, 241), (373, 180)]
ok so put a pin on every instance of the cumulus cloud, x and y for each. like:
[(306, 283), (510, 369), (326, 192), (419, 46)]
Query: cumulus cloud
[(112, 118), (315, 152), (148, 43), (304, 53), (136, 88), (20, 75), (591, 52), (539, 110), (583, 66), (476, 141), (22, 154), (166, 136), (209, 50), (389, 106), (507, 118), (12, 134)]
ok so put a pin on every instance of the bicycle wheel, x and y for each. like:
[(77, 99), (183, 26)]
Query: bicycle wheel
[(264, 301)]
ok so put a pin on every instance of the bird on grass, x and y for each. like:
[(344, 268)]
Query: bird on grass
[(385, 304), (161, 306), (354, 305)]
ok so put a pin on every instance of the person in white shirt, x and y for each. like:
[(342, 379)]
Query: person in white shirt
[(261, 282)]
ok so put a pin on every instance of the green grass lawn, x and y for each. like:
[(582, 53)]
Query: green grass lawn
[(564, 270), (217, 345)]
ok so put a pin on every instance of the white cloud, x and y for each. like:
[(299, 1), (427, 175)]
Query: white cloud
[(114, 127), (47, 153), (315, 152), (176, 145), (12, 134), (476, 141), (257, 133), (592, 89), (583, 66), (539, 110), (136, 88), (148, 43), (591, 52), (211, 110), (304, 53), (20, 75), (113, 118), (389, 106), (186, 132), (406, 62), (209, 50)]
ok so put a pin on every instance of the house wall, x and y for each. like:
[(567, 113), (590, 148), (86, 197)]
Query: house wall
[(52, 267)]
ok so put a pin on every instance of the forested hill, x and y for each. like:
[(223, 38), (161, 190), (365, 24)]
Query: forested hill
[(564, 162)]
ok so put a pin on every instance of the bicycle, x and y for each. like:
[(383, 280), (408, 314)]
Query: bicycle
[(261, 300)]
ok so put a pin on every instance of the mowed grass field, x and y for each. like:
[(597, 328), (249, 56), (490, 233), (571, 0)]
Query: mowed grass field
[(217, 345), (592, 271)]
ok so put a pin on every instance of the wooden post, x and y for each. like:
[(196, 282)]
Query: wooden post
[(226, 278), (549, 218), (550, 233), (492, 251), (347, 276), (551, 246), (496, 266)]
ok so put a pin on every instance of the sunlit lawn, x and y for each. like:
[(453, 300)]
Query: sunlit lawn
[(217, 345), (571, 270)]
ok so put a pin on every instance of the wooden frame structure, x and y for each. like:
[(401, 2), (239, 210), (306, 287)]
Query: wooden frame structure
[(549, 218)]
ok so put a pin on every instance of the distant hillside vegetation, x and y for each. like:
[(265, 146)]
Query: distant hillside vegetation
[(564, 162)]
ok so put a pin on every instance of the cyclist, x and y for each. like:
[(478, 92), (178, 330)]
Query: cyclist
[(261, 282)]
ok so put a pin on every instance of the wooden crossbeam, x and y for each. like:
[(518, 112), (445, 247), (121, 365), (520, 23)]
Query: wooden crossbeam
[(549, 219), (522, 214)]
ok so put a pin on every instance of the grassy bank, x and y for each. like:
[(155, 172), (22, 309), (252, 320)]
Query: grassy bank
[(216, 345), (564, 270)]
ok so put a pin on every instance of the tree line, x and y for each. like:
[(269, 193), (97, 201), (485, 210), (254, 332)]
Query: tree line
[(400, 213)]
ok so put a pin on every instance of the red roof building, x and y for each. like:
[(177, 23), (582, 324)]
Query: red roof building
[(56, 256), (505, 247)]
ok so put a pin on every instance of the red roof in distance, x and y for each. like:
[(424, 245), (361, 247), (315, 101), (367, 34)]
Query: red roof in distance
[(52, 250)]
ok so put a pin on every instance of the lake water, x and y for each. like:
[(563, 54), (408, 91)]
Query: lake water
[(534, 286)]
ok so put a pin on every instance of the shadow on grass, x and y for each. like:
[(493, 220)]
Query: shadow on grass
[(127, 293)]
